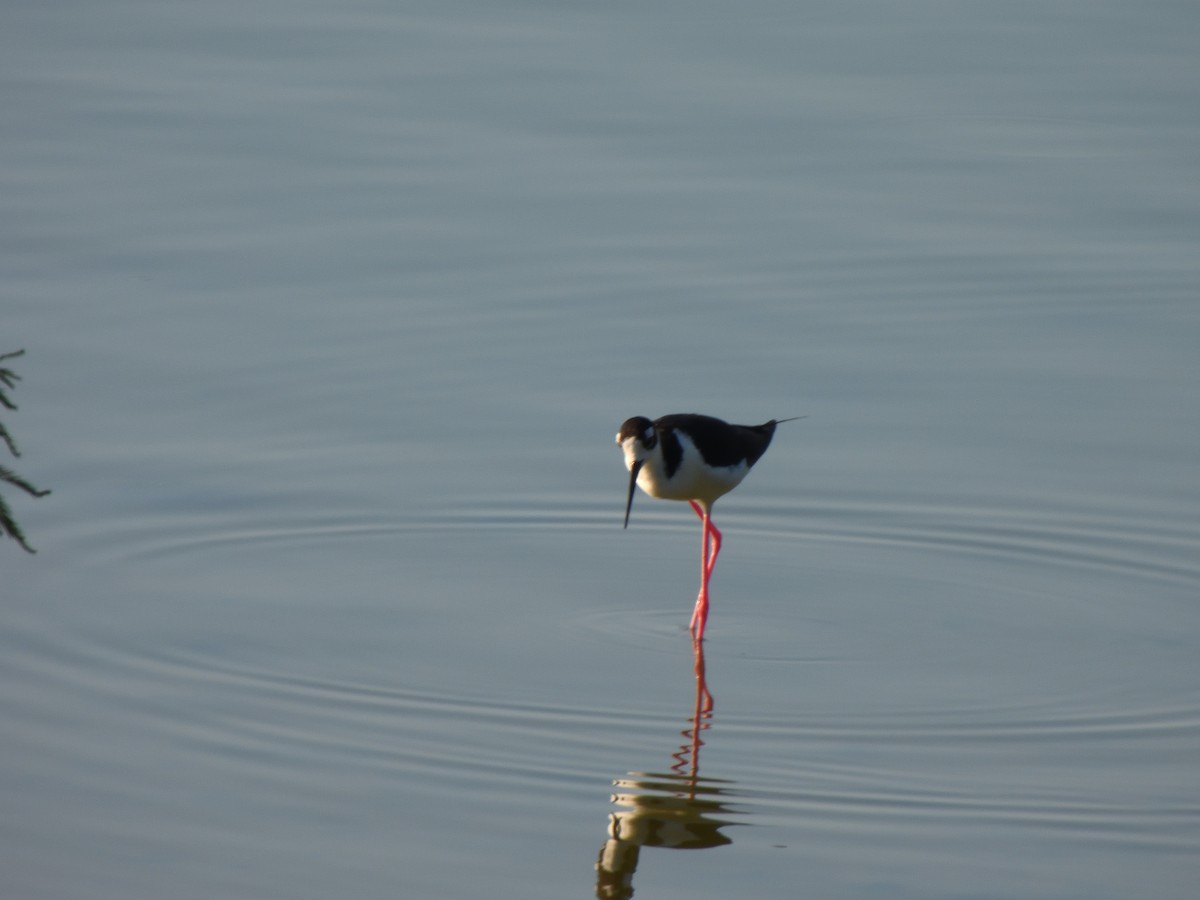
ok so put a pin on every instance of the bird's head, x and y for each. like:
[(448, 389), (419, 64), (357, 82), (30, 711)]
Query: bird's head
[(638, 439)]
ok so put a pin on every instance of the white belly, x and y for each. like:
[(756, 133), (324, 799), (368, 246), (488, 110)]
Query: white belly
[(693, 480)]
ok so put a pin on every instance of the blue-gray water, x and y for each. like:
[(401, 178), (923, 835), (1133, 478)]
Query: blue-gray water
[(331, 313)]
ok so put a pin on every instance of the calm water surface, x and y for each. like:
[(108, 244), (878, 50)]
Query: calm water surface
[(332, 311)]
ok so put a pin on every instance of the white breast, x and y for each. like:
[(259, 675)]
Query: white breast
[(693, 480)]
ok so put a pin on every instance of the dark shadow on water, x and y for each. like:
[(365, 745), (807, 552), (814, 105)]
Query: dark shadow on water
[(677, 809)]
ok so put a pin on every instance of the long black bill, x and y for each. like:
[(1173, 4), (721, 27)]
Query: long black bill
[(633, 473)]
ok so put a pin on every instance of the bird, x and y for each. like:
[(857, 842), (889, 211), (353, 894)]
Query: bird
[(687, 456)]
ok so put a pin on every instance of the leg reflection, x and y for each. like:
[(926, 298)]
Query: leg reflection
[(677, 809)]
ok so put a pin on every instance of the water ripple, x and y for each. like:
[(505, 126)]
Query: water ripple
[(1097, 540), (981, 689)]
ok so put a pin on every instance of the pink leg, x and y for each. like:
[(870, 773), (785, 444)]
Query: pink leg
[(710, 547), (715, 534)]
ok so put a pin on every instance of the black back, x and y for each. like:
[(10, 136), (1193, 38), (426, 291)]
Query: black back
[(719, 443)]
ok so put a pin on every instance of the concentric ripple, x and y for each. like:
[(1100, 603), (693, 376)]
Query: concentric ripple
[(969, 676)]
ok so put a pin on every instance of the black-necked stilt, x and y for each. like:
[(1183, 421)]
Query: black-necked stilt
[(694, 458)]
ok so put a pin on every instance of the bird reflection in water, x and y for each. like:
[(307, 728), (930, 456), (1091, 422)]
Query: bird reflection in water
[(676, 809)]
